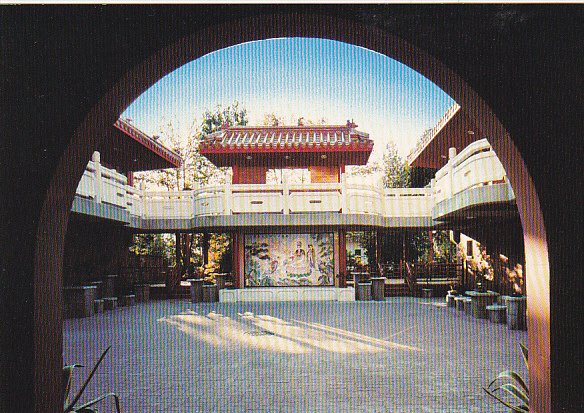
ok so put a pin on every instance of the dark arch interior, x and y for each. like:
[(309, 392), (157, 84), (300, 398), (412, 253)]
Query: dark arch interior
[(74, 98)]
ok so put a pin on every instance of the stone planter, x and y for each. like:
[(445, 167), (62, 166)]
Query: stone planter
[(516, 312), (480, 301), (378, 288), (196, 289)]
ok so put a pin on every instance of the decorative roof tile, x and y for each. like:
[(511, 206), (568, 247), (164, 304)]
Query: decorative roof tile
[(267, 138)]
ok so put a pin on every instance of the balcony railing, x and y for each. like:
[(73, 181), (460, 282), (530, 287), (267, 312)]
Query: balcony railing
[(476, 165)]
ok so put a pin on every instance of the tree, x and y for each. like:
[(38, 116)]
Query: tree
[(396, 172), (196, 169)]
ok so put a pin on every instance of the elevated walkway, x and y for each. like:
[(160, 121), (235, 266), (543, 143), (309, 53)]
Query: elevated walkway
[(471, 179)]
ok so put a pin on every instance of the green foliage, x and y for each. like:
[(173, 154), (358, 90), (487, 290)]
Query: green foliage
[(232, 115), (444, 248), (396, 172), (86, 407), (157, 245), (510, 389)]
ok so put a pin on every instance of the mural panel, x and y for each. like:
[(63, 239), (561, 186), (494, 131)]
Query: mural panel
[(289, 260)]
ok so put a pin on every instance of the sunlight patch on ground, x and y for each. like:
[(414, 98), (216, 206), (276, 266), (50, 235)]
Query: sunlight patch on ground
[(265, 332)]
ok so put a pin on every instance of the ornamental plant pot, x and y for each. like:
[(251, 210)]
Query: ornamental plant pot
[(516, 312)]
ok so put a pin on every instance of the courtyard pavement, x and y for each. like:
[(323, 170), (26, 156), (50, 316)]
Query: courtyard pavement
[(401, 355)]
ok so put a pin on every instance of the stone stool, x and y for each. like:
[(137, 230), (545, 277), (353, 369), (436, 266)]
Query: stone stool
[(468, 305), (79, 300), (363, 291), (127, 300), (110, 303), (459, 302), (209, 293), (142, 292), (497, 313), (98, 305), (378, 288)]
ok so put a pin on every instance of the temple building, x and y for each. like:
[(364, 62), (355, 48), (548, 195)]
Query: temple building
[(306, 249)]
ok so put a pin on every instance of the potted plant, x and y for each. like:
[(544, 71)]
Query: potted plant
[(510, 389), (71, 406), (517, 302), (482, 270)]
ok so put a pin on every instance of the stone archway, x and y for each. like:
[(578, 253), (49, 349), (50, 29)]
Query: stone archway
[(53, 220)]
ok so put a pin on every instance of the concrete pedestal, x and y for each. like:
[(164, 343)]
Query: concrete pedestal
[(98, 306), (378, 288), (110, 303), (467, 305), (109, 285), (516, 313), (220, 280), (142, 292), (363, 291), (79, 301), (480, 301), (210, 293), (127, 300), (99, 292), (196, 290)]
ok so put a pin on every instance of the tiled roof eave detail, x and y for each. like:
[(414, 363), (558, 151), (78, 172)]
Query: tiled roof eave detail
[(148, 142), (228, 149)]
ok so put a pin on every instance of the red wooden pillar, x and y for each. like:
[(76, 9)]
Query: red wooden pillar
[(238, 251), (342, 258), (205, 247)]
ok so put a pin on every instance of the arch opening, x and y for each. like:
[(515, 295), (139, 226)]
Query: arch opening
[(48, 265)]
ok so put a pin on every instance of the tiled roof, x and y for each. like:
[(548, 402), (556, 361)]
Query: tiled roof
[(278, 138), (142, 138)]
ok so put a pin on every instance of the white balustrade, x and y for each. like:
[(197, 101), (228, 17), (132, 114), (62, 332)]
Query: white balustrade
[(113, 187), (408, 202), (315, 198), (210, 201), (475, 165), (168, 204), (257, 198)]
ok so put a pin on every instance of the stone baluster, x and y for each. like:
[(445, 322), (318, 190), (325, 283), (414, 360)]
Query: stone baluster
[(96, 158)]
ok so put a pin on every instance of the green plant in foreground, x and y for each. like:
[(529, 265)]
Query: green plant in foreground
[(511, 383), (85, 408)]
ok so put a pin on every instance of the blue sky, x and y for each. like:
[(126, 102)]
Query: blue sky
[(299, 77)]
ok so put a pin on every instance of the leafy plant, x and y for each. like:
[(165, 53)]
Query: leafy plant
[(86, 407), (511, 383)]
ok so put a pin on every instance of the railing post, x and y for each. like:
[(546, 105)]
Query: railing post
[(344, 197), (227, 193), (96, 158), (286, 195), (382, 192), (451, 156)]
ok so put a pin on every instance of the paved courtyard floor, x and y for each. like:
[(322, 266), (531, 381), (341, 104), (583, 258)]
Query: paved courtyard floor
[(401, 355)]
